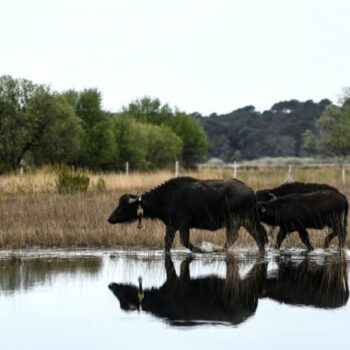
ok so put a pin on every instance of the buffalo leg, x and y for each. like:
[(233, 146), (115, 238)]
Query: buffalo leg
[(185, 240), (185, 269), (231, 234), (169, 238), (328, 239), (170, 269), (185, 237), (305, 238), (258, 232), (282, 233)]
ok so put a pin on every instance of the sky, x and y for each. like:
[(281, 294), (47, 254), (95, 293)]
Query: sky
[(198, 55)]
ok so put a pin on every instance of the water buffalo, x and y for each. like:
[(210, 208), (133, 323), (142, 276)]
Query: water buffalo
[(308, 283), (184, 301), (291, 188), (297, 212), (183, 203)]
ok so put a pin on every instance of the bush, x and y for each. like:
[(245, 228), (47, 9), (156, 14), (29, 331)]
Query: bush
[(100, 185), (69, 181)]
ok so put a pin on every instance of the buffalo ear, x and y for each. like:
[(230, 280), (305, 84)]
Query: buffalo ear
[(132, 200), (272, 196)]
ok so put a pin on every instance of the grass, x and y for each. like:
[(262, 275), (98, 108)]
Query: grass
[(32, 213)]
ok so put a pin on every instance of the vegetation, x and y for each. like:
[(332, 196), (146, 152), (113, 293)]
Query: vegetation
[(39, 126), (249, 134), (33, 213), (69, 181), (334, 131)]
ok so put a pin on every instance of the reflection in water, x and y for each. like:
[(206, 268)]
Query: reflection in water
[(185, 301), (310, 284), (23, 274)]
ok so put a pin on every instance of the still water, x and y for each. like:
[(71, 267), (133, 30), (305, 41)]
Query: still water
[(142, 300)]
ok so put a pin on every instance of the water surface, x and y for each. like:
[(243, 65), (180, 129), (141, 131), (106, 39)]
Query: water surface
[(142, 300)]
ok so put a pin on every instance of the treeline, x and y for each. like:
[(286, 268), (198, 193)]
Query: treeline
[(249, 134), (39, 126)]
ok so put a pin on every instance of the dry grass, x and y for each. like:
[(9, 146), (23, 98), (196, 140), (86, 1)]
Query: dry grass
[(33, 214)]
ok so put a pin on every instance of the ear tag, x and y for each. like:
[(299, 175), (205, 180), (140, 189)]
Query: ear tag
[(139, 216), (139, 210), (263, 210)]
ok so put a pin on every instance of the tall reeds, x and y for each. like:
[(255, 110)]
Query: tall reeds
[(33, 213)]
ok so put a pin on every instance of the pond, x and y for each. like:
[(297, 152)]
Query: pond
[(132, 299)]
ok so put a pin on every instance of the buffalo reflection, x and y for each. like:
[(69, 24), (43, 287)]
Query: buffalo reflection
[(186, 301), (183, 300), (310, 284)]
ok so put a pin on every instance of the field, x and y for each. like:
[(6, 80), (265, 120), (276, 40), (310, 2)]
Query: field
[(33, 214)]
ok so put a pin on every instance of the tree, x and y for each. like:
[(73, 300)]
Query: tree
[(58, 130), (35, 123), (150, 111), (145, 146), (163, 146), (309, 143), (194, 139), (131, 140), (334, 131), (98, 147)]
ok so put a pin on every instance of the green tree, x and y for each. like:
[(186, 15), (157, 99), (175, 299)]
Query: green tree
[(148, 110), (194, 139), (163, 146), (98, 147), (309, 143), (151, 111), (58, 130), (131, 141), (34, 123), (334, 131)]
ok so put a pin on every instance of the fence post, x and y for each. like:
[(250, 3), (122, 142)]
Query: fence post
[(343, 175), (21, 171), (235, 166), (127, 168), (289, 174), (176, 169)]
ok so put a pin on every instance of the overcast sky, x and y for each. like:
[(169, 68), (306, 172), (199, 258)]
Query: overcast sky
[(200, 55)]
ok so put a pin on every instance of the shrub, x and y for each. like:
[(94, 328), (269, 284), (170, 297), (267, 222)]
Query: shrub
[(100, 185), (69, 181)]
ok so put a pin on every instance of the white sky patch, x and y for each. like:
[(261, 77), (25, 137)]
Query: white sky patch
[(199, 55)]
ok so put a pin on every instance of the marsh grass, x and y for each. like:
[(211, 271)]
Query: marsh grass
[(32, 213)]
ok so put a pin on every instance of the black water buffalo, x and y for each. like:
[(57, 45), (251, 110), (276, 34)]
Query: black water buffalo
[(184, 301), (183, 203), (308, 283), (297, 212), (291, 188)]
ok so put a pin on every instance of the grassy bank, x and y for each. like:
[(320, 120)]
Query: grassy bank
[(32, 213)]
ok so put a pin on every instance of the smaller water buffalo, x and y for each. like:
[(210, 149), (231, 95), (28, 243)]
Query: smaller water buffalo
[(286, 189), (184, 202), (297, 212)]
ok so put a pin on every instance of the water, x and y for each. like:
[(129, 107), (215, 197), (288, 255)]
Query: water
[(95, 299)]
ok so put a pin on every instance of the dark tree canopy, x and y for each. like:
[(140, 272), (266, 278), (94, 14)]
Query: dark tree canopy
[(275, 132)]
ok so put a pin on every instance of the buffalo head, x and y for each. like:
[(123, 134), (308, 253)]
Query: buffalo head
[(126, 210)]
